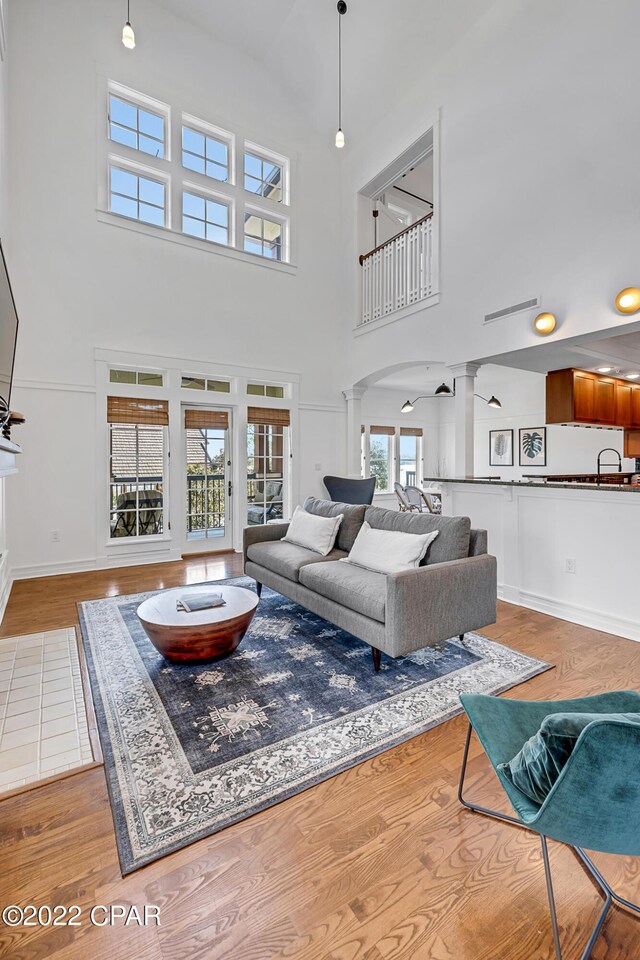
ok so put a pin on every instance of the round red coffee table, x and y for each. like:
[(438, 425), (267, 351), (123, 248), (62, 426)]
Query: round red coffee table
[(200, 636)]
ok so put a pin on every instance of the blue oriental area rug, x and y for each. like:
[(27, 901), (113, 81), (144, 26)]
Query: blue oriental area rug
[(190, 749)]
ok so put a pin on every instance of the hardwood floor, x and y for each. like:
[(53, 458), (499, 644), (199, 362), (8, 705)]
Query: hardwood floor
[(378, 863)]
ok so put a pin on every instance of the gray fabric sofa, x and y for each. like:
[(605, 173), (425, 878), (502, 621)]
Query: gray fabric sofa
[(453, 590)]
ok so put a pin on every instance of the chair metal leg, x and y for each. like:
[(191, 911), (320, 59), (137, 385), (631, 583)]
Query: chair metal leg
[(552, 901), (601, 883), (472, 806), (610, 896)]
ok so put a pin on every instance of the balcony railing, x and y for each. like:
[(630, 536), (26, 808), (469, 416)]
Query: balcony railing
[(399, 272)]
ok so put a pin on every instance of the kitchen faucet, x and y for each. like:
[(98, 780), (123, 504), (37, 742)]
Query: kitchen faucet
[(601, 464)]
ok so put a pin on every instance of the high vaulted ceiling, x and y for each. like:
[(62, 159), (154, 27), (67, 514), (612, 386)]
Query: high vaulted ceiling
[(385, 44)]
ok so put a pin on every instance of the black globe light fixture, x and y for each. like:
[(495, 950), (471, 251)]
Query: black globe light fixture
[(445, 391), (342, 9)]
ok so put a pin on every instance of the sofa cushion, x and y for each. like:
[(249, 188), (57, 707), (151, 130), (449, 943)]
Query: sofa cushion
[(350, 586), (287, 558), (353, 518), (452, 542)]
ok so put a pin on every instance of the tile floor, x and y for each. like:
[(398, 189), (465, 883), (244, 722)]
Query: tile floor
[(43, 719)]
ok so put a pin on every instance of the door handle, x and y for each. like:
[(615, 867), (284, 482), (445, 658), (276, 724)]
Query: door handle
[(229, 488)]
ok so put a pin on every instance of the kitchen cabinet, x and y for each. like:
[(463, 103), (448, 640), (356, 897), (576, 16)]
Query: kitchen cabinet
[(632, 443), (579, 396)]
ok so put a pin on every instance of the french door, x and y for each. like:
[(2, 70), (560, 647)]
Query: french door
[(207, 479)]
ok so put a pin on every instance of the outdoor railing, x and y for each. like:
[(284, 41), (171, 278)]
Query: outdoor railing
[(399, 272)]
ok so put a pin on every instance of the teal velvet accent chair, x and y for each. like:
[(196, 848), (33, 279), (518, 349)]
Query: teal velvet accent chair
[(595, 802)]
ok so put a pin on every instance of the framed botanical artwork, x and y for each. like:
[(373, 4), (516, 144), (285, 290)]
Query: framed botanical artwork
[(500, 448), (533, 446)]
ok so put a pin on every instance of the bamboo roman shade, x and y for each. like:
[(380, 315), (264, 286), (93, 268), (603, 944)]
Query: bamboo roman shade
[(410, 431), (387, 431), (134, 410), (268, 416), (203, 419)]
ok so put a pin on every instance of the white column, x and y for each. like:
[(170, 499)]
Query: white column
[(354, 396), (464, 378)]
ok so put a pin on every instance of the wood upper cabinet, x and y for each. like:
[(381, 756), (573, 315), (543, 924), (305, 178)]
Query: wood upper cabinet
[(635, 405), (579, 396), (624, 395), (632, 443)]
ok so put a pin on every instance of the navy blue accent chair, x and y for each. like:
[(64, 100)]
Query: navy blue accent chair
[(346, 490)]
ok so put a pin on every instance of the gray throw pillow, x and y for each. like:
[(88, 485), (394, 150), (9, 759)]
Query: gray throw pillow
[(537, 766), (352, 518)]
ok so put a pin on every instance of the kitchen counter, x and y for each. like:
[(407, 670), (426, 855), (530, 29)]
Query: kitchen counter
[(565, 549), (542, 484)]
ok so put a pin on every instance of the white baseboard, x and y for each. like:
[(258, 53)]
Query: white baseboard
[(94, 563), (574, 613), (6, 582)]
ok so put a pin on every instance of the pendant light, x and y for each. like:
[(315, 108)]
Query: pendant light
[(128, 36), (342, 9)]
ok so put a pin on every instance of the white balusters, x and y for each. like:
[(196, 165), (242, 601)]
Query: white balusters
[(399, 272)]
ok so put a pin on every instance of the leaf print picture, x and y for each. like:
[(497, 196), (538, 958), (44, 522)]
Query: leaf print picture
[(533, 447), (501, 448)]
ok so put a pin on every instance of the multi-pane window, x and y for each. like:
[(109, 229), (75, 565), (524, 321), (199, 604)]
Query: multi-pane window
[(205, 154), (265, 472), (408, 458), (136, 128), (262, 236), (381, 457), (263, 177), (136, 196), (393, 454), (265, 390), (140, 377), (205, 218), (236, 195), (137, 480), (205, 383)]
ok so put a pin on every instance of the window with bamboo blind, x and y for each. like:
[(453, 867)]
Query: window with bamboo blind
[(267, 430), (206, 419), (137, 410), (392, 454)]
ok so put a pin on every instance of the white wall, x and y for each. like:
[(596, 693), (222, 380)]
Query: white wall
[(5, 541), (81, 284), (533, 531), (529, 205), (522, 394)]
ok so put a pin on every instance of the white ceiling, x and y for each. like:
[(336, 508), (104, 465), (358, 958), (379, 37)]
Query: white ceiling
[(622, 353), (418, 380), (297, 40)]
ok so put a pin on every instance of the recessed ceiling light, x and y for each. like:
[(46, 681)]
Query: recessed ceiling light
[(604, 369), (633, 376)]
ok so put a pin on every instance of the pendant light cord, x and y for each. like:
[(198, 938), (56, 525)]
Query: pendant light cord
[(340, 71), (128, 11)]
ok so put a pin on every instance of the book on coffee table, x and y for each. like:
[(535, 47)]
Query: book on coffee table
[(190, 603)]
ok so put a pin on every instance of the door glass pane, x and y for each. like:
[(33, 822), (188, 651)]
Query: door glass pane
[(136, 481), (265, 473), (380, 465), (408, 461), (206, 483)]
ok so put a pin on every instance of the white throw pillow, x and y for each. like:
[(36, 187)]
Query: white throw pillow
[(313, 532), (389, 551)]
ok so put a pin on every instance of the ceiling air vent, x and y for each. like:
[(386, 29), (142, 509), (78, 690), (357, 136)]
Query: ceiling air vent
[(508, 311)]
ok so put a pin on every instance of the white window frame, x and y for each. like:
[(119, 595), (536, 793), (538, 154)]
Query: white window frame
[(138, 372), (210, 130), (166, 499), (149, 173), (142, 102), (394, 471), (175, 177), (274, 217), (207, 194), (269, 156)]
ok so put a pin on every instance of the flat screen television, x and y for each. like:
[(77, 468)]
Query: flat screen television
[(8, 337)]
